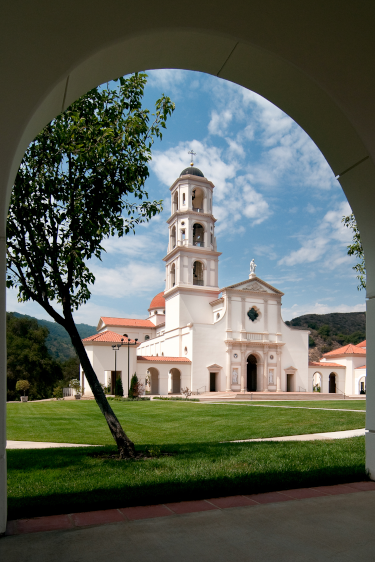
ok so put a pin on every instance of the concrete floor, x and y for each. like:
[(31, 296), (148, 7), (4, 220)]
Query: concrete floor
[(334, 528)]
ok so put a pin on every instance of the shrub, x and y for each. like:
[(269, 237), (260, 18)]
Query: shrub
[(324, 331), (119, 391), (74, 383), (58, 392), (311, 342), (132, 388)]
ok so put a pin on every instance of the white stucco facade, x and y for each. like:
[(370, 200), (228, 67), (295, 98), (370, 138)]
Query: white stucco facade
[(232, 339), (342, 371)]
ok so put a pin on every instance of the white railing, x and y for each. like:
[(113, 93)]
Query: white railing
[(200, 389), (254, 336), (68, 392), (198, 209)]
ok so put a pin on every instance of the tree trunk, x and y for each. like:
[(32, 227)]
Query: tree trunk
[(124, 444)]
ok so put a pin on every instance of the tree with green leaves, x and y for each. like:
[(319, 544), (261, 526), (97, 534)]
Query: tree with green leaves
[(133, 390), (356, 249), (22, 386), (82, 180), (28, 358), (119, 391)]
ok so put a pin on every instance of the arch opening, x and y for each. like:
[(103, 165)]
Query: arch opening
[(175, 381), (332, 389), (197, 196), (154, 380), (198, 235), (317, 382), (198, 273), (252, 373)]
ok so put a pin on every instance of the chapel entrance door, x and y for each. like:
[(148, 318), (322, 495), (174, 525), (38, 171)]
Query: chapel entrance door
[(251, 373), (212, 382), (289, 382)]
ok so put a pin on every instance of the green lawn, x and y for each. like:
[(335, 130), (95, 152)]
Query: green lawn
[(66, 480), (168, 422), (329, 404), (52, 481)]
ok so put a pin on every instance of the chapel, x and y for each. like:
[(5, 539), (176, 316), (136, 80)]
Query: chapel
[(203, 337)]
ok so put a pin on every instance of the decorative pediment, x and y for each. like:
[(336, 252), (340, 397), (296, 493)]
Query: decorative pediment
[(214, 367), (255, 285)]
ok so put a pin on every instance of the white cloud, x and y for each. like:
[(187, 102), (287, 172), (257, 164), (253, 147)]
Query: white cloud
[(136, 279), (329, 236), (168, 79)]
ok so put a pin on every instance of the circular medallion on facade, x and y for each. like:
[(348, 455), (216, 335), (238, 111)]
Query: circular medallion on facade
[(271, 356), (235, 355)]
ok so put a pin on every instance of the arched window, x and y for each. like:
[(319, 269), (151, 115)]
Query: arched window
[(173, 275), (198, 235), (198, 273)]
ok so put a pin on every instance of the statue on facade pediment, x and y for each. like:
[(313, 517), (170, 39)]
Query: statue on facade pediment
[(253, 266)]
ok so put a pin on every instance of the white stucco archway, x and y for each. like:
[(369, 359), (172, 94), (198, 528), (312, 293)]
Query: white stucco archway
[(267, 47)]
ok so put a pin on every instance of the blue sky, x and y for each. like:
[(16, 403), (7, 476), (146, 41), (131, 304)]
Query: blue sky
[(275, 198)]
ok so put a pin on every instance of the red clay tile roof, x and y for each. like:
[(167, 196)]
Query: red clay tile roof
[(107, 336), (349, 349), (131, 322), (324, 364), (362, 344), (158, 301), (363, 367), (161, 358)]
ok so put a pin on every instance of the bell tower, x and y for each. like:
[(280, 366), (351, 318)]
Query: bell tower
[(192, 257)]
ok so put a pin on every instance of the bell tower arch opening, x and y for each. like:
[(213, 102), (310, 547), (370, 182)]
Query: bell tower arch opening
[(198, 235)]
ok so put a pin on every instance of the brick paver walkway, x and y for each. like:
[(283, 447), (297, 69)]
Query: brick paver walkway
[(94, 518)]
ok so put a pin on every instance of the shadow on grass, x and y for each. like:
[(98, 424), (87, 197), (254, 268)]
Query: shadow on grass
[(54, 481)]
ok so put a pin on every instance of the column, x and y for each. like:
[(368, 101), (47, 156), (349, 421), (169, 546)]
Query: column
[(228, 366), (3, 392), (243, 370), (243, 318), (229, 317), (278, 370), (265, 372), (205, 237)]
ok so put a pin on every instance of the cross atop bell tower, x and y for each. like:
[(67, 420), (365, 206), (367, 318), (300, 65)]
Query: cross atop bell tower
[(192, 257), (192, 154)]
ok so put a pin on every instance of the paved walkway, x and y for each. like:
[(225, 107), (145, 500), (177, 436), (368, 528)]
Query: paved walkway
[(42, 445), (309, 436), (279, 406), (326, 523)]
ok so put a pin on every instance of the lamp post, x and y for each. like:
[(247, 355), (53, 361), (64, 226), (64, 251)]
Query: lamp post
[(115, 348), (128, 344)]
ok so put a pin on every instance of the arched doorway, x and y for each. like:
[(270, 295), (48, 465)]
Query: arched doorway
[(176, 381), (317, 382), (251, 373), (332, 383), (154, 380), (362, 385)]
